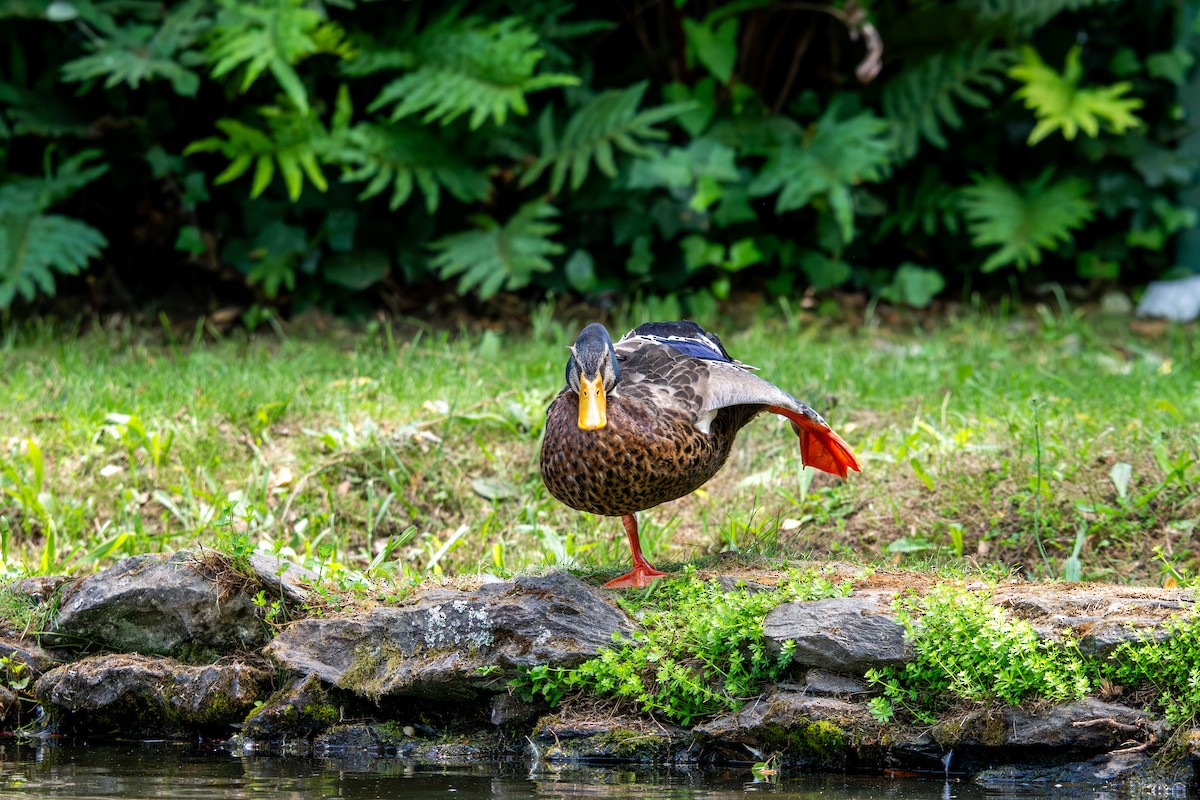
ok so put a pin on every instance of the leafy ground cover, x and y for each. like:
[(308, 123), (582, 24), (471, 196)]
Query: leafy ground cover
[(1057, 441)]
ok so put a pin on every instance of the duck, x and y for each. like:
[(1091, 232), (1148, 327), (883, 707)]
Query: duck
[(653, 417)]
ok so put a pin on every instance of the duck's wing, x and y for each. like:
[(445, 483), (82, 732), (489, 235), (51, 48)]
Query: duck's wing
[(680, 366), (820, 446)]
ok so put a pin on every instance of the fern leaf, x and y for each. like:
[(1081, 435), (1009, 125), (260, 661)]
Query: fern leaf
[(140, 52), (931, 205), (1061, 104), (608, 120), (1025, 221), (35, 245), (496, 256), (923, 98), (403, 156), (260, 35), (484, 69), (292, 144), (1025, 16), (826, 161)]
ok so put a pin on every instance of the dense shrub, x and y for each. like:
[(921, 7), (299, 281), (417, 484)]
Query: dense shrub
[(321, 150)]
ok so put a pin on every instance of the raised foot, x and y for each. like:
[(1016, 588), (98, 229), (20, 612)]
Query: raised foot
[(638, 578)]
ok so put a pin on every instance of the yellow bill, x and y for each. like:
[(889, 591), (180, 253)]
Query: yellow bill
[(592, 403)]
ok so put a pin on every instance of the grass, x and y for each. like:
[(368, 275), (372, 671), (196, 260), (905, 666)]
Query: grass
[(401, 452)]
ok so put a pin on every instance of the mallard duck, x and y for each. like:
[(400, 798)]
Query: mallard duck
[(653, 417)]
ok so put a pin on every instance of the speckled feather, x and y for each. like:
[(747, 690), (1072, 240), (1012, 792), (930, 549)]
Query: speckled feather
[(672, 420)]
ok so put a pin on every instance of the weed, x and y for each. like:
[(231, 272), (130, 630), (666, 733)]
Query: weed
[(1170, 664), (701, 648), (966, 647)]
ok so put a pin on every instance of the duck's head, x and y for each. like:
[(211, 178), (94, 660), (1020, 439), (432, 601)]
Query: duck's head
[(592, 372)]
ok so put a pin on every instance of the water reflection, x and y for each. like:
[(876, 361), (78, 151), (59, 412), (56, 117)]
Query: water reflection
[(142, 770)]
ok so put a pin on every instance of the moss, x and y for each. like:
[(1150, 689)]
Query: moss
[(628, 744), (820, 741), (825, 741), (371, 664)]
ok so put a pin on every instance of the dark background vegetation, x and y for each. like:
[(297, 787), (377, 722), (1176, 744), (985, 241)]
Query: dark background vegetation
[(349, 155)]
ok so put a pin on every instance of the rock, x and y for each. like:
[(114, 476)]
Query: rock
[(823, 682), (39, 588), (1082, 725), (349, 738), (10, 703), (840, 634), (574, 738), (507, 709), (1099, 771), (147, 696), (811, 731), (147, 604), (451, 643), (282, 578), (34, 660), (1177, 299), (299, 710), (1105, 637)]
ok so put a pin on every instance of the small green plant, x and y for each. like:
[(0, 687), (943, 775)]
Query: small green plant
[(701, 649), (1171, 665), (967, 647)]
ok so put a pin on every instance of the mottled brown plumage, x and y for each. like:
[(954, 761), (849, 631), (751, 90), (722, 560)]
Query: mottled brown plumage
[(670, 403)]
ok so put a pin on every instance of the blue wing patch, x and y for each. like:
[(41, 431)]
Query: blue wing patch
[(685, 336)]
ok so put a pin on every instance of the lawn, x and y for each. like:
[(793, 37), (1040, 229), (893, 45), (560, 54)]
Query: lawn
[(1052, 440)]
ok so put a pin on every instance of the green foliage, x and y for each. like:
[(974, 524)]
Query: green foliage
[(966, 647), (610, 120), (469, 66), (825, 160), (1061, 104), (1170, 664), (255, 36), (290, 141), (924, 97), (500, 256), (145, 50), (690, 153), (34, 244), (405, 156), (1025, 221), (700, 651)]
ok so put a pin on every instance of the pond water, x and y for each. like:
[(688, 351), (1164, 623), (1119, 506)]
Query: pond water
[(141, 770)]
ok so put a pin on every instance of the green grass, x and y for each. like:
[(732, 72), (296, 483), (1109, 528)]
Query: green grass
[(410, 451)]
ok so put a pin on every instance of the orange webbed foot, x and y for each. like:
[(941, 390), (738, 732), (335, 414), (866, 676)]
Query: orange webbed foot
[(638, 578)]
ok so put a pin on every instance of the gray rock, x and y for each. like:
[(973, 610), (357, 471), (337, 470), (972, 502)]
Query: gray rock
[(1105, 637), (342, 739), (147, 604), (507, 709), (141, 695), (1082, 725), (282, 578), (608, 738), (1099, 771), (840, 634), (451, 643), (39, 588), (34, 659), (1177, 299), (823, 682), (813, 731), (298, 710)]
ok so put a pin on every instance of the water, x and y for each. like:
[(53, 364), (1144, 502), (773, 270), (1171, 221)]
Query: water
[(139, 770)]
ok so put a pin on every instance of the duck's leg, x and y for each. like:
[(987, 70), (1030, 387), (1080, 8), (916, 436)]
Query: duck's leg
[(642, 573)]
